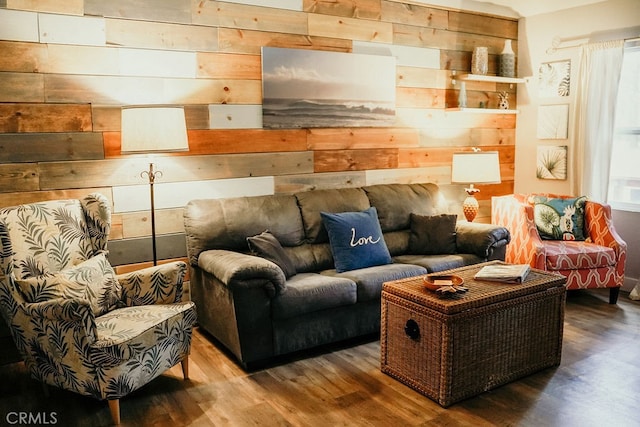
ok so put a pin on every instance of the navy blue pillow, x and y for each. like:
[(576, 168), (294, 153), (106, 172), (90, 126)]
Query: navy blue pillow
[(356, 239)]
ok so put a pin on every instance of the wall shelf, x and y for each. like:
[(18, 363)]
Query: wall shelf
[(484, 78), (482, 110)]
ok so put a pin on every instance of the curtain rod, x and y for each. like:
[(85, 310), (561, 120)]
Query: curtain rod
[(629, 35)]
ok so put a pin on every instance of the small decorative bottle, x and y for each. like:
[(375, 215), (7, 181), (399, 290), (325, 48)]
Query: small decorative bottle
[(480, 61), (507, 61), (462, 96)]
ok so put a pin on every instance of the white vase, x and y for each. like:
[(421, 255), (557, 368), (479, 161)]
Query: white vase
[(462, 96), (507, 61), (480, 61)]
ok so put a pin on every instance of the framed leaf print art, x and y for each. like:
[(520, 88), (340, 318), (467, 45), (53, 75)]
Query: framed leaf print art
[(553, 121), (552, 162), (554, 79)]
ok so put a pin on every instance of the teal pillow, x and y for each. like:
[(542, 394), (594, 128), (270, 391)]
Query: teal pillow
[(559, 218), (356, 239)]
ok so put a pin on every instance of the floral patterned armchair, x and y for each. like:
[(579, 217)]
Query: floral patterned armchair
[(595, 259), (77, 325)]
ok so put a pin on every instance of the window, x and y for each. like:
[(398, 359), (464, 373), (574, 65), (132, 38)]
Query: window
[(624, 178)]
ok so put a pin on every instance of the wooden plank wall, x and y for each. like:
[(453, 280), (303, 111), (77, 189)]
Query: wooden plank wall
[(68, 66)]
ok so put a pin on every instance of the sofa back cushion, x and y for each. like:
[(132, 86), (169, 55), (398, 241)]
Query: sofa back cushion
[(333, 201), (396, 202), (226, 223)]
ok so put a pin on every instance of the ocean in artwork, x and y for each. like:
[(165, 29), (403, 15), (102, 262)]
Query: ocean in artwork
[(313, 113), (310, 89)]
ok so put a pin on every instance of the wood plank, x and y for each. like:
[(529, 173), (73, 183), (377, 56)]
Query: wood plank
[(19, 25), (411, 14), (157, 63), (442, 156), (176, 11), (248, 41), (110, 90), (354, 160), (169, 195), (67, 7), (229, 66), (71, 59), (414, 97), (18, 177), (422, 77), (139, 250), (21, 87), (460, 137), (246, 141), (126, 171), (66, 29), (23, 197), (239, 16), (487, 25), (138, 224), (230, 116), (363, 9), (43, 147), (318, 181), (360, 138), (107, 118), (436, 174), (45, 118), (22, 57), (436, 118), (159, 35), (408, 56), (350, 28)]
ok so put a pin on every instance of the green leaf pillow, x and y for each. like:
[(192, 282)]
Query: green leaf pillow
[(560, 218)]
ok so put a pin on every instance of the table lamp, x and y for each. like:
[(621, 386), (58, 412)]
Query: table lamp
[(474, 167), (153, 129)]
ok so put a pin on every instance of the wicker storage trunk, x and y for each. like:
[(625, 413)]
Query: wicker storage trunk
[(452, 349)]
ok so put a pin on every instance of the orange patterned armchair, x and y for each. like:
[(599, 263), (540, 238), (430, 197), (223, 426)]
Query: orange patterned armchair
[(595, 259)]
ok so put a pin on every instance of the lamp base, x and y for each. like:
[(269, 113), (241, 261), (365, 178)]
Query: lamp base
[(470, 207)]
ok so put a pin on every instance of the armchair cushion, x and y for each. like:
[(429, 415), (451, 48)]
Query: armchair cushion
[(93, 280), (433, 235), (559, 218), (562, 255)]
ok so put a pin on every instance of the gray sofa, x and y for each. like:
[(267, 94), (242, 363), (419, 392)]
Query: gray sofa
[(248, 304)]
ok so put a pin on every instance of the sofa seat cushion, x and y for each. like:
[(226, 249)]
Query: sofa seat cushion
[(435, 263), (370, 279), (309, 292), (125, 332), (573, 255)]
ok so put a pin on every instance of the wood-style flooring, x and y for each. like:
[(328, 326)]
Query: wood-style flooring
[(597, 384)]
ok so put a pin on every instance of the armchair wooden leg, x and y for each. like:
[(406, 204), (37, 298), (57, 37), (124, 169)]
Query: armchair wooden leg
[(114, 407), (613, 295), (185, 367)]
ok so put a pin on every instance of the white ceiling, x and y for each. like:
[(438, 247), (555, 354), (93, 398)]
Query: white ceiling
[(510, 8)]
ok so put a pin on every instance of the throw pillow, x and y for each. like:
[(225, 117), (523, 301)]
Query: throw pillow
[(433, 235), (559, 218), (93, 280), (265, 245), (356, 239)]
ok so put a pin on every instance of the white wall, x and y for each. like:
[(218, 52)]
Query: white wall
[(536, 34)]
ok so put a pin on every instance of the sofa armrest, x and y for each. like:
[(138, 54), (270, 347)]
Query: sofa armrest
[(236, 270), (161, 284), (526, 245), (484, 240)]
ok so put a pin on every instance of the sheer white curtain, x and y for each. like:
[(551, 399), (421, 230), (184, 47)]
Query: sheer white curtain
[(600, 65)]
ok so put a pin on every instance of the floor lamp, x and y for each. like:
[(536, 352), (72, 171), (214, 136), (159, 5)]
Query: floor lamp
[(474, 167), (153, 129)]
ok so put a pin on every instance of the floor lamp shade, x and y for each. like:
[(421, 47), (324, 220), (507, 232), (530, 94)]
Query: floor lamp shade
[(474, 167), (153, 129)]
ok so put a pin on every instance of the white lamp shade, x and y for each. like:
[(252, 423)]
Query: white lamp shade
[(146, 129), (475, 168)]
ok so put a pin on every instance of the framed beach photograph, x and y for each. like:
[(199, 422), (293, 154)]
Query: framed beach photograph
[(553, 121), (554, 79), (307, 89), (552, 162)]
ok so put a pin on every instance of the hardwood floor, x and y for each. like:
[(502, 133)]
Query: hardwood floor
[(597, 384)]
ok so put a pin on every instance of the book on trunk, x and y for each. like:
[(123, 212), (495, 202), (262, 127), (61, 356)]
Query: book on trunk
[(505, 273)]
